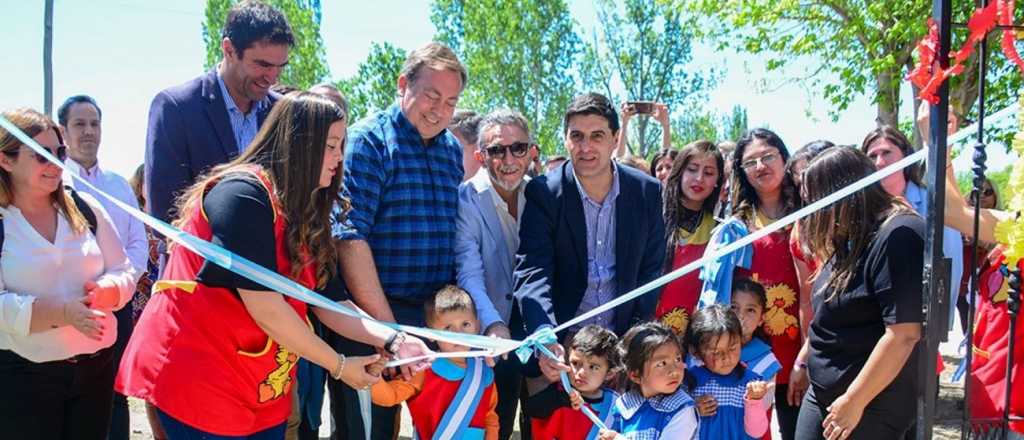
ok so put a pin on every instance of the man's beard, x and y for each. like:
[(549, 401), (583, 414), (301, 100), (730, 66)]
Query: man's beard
[(501, 183)]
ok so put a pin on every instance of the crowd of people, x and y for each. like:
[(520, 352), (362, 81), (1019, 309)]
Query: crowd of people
[(427, 216)]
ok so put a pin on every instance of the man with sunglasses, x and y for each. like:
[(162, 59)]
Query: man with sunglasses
[(80, 120), (491, 204)]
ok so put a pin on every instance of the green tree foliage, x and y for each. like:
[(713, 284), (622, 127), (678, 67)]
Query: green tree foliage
[(858, 47), (307, 63), (520, 54), (375, 85), (1000, 181), (646, 48), (734, 124), (708, 125)]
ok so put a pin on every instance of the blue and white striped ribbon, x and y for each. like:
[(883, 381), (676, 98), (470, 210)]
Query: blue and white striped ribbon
[(491, 346), (774, 226), (272, 280)]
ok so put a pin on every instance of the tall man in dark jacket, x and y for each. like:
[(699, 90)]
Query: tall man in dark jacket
[(213, 118)]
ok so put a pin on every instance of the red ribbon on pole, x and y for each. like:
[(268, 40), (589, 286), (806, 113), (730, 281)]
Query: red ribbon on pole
[(928, 77)]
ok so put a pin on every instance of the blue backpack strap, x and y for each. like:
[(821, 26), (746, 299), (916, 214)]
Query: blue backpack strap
[(459, 413)]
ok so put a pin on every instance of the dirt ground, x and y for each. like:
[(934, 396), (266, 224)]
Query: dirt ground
[(947, 423)]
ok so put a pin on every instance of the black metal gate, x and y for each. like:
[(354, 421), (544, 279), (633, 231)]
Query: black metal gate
[(936, 268)]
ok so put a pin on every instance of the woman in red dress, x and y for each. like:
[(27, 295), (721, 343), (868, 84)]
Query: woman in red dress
[(762, 193), (691, 192)]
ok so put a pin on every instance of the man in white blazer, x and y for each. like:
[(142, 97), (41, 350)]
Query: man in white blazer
[(487, 237)]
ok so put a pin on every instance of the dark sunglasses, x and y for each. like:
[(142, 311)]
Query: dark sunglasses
[(60, 152), (517, 149), (987, 192)]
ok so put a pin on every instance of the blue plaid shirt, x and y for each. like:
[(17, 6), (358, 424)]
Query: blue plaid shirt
[(404, 202)]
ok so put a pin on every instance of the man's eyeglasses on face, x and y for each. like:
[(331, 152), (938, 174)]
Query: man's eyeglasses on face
[(60, 152), (517, 149), (765, 160)]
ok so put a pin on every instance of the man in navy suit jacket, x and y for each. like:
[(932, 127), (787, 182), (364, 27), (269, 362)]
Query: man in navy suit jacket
[(591, 231), (211, 119)]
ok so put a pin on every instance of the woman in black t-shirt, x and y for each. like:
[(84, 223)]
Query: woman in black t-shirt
[(215, 351), (867, 306)]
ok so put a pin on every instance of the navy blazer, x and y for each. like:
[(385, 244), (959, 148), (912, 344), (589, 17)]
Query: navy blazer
[(551, 265), (189, 132)]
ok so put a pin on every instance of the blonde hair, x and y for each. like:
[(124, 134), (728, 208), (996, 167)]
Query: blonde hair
[(32, 123)]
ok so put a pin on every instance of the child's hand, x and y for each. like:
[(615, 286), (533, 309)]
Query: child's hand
[(576, 399), (707, 406), (757, 389), (376, 368), (607, 434)]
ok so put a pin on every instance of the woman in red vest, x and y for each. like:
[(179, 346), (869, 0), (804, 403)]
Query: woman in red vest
[(691, 192), (215, 352), (763, 192)]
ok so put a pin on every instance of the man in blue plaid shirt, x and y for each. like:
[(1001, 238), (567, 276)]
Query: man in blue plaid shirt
[(402, 172)]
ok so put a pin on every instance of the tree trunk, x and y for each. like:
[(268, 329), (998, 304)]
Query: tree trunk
[(641, 137), (888, 99)]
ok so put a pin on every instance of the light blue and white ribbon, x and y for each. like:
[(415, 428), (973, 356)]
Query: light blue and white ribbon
[(272, 280)]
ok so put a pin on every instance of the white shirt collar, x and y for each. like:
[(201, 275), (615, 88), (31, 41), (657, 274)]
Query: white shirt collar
[(77, 168)]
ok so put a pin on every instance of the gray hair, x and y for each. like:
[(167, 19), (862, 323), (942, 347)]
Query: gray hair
[(465, 124), (502, 116)]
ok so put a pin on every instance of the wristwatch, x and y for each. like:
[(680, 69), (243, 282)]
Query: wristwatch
[(394, 341)]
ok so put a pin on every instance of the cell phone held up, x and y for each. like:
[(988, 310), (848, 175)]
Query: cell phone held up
[(642, 107)]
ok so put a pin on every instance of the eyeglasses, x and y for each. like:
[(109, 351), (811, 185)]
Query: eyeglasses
[(517, 149), (988, 192), (60, 152), (764, 160)]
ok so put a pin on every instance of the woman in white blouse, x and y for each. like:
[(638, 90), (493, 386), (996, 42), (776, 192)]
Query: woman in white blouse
[(61, 276)]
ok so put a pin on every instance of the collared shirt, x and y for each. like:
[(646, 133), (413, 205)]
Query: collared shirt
[(405, 199), (600, 219), (37, 269), (509, 224), (243, 125), (952, 243), (130, 229)]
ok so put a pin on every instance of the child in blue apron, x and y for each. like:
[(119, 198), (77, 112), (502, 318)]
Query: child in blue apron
[(656, 404), (739, 409)]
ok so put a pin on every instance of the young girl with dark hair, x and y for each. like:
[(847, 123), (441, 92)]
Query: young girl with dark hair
[(731, 398), (690, 195), (749, 303), (219, 338), (656, 404)]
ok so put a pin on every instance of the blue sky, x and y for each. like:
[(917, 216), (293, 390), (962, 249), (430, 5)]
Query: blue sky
[(122, 52)]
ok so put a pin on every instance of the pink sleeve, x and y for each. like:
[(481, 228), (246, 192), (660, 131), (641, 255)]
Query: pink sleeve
[(755, 417)]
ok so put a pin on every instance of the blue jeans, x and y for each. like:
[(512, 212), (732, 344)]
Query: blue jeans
[(177, 430)]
